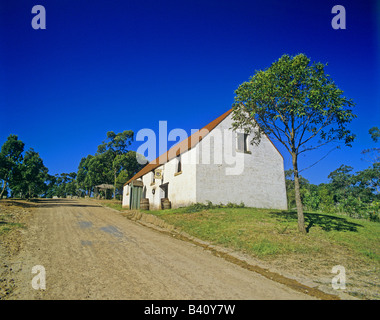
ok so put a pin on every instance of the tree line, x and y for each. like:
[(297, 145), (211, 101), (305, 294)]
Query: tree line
[(24, 175), (356, 194)]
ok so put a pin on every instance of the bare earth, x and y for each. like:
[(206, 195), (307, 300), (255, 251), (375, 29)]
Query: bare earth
[(90, 252)]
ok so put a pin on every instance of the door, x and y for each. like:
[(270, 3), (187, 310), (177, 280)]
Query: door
[(164, 193), (135, 195)]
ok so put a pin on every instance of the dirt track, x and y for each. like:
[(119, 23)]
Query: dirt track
[(90, 252)]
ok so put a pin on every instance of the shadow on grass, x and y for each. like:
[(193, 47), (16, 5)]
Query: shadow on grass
[(324, 221)]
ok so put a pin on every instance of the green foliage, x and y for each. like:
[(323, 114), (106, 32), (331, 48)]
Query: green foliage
[(33, 174), (341, 182), (62, 185), (24, 174), (295, 102), (197, 207), (84, 179), (116, 143), (373, 154), (112, 164), (10, 160), (375, 133), (356, 195)]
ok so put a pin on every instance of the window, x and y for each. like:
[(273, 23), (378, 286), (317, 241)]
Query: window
[(153, 180), (242, 142), (179, 165)]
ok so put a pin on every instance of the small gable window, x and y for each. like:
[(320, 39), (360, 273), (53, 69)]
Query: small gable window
[(242, 142), (178, 168)]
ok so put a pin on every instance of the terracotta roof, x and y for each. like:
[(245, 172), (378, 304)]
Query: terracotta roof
[(181, 147), (185, 145)]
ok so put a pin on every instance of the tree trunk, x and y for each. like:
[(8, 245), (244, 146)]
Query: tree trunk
[(114, 186), (2, 191), (301, 218)]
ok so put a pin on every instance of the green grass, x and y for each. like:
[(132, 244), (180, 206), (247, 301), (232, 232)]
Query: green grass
[(6, 225), (269, 233), (114, 204)]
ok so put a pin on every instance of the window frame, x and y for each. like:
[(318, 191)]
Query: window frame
[(178, 165), (245, 142)]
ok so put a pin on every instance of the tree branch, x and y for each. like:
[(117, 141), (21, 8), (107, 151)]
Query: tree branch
[(316, 147), (318, 160), (314, 134)]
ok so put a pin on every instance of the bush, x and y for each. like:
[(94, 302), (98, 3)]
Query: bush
[(374, 216), (196, 207)]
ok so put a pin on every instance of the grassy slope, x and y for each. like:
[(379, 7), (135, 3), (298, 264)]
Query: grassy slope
[(265, 233), (272, 236)]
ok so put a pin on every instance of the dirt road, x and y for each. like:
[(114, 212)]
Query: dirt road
[(90, 252)]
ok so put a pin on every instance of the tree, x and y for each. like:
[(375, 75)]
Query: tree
[(100, 168), (295, 102), (341, 182), (10, 158), (83, 176), (113, 163), (34, 173), (369, 179), (117, 145), (373, 153), (125, 166), (71, 186), (51, 186)]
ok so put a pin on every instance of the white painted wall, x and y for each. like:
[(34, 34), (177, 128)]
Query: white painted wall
[(181, 187), (256, 179), (125, 202), (260, 179)]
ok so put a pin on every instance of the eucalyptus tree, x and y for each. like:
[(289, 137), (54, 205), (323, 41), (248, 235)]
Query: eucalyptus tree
[(83, 177), (295, 102), (125, 166), (116, 146), (34, 173), (10, 159)]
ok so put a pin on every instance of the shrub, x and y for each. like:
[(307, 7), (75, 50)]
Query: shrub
[(196, 207)]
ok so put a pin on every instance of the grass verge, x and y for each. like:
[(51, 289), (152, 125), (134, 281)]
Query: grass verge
[(267, 233), (272, 236)]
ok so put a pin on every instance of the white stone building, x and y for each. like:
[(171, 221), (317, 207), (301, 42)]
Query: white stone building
[(214, 164)]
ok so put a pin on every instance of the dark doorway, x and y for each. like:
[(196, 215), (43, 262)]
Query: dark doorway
[(165, 190)]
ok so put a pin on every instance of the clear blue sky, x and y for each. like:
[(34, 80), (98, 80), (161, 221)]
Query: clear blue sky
[(124, 65)]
